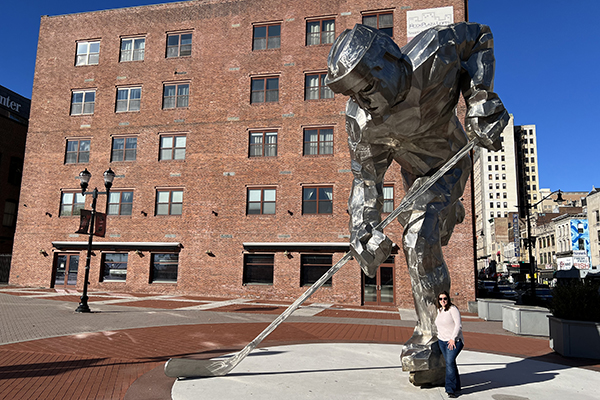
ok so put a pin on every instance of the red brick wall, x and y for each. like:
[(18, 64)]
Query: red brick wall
[(217, 123)]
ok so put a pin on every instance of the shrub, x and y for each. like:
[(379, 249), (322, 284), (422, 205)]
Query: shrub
[(577, 300)]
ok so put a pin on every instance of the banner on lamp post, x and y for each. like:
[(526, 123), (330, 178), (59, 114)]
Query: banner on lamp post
[(100, 225), (85, 217)]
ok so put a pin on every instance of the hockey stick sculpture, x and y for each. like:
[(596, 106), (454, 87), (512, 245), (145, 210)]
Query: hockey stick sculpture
[(187, 368)]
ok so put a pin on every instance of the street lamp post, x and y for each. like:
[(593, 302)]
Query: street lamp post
[(531, 241), (84, 177)]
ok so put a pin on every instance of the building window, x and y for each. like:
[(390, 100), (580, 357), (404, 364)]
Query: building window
[(382, 21), (497, 186), (9, 218), (132, 49), (491, 186), (82, 102), (263, 144), (491, 204), (267, 37), (172, 147), (124, 149), (313, 266), (164, 267), (320, 32), (489, 167), (489, 158), (491, 195), (128, 99), (261, 201), (176, 95), (496, 167), (505, 204), (258, 269), (502, 158), (169, 202), (503, 167), (114, 267), (315, 88), (317, 200), (492, 214), (388, 198), (120, 203), (71, 203), (504, 186), (318, 141), (78, 151), (504, 195), (179, 45), (88, 53), (265, 90)]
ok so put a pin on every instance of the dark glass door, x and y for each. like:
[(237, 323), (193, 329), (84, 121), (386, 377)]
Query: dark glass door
[(379, 290), (65, 270)]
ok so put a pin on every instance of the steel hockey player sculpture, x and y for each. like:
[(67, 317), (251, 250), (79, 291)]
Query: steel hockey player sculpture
[(402, 108)]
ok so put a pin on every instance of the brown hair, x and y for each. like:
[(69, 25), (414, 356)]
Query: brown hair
[(448, 303)]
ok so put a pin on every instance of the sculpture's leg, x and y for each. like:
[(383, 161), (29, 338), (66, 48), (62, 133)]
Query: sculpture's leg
[(428, 228), (429, 276)]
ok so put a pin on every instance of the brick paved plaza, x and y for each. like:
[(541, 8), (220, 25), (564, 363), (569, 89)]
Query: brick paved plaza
[(48, 351)]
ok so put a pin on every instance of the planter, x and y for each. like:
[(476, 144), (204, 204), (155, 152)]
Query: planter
[(526, 320), (575, 338), (491, 309)]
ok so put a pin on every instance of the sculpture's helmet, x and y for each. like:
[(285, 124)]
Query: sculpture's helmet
[(356, 55)]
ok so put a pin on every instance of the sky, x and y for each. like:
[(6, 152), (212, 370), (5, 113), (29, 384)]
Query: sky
[(547, 65)]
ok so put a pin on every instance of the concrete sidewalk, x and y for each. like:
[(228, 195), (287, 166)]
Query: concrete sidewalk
[(48, 351)]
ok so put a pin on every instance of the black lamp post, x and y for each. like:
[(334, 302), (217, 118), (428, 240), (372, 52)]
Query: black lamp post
[(531, 241), (84, 177)]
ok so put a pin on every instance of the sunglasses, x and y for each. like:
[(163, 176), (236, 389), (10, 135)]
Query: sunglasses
[(443, 299)]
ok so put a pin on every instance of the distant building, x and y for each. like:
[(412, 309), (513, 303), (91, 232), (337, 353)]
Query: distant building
[(231, 155), (14, 116), (593, 216)]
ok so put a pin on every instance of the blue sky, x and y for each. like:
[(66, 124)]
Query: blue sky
[(546, 71)]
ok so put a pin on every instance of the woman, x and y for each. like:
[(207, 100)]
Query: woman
[(450, 340)]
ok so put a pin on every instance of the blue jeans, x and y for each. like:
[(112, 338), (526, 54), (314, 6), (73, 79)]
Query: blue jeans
[(452, 376)]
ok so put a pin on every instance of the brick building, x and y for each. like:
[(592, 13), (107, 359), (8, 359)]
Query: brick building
[(231, 156), (14, 116)]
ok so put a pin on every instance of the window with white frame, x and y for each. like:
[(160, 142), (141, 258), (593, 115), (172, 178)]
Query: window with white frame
[(132, 49), (83, 102), (128, 99), (88, 53)]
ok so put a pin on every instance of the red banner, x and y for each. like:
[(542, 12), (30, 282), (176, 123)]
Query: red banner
[(100, 224), (84, 221)]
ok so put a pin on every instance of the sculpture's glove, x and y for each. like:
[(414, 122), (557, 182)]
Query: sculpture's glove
[(370, 248), (486, 121)]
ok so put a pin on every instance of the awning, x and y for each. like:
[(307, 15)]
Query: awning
[(330, 247), (324, 247), (120, 246)]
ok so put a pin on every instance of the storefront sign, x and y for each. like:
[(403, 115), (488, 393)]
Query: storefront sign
[(564, 262), (14, 103), (581, 259)]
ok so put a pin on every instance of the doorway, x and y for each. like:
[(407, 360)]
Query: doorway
[(65, 270), (379, 290)]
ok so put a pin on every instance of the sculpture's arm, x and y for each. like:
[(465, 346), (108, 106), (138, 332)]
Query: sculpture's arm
[(486, 116), (369, 164)]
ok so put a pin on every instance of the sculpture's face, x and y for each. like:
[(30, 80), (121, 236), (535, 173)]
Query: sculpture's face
[(380, 91)]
